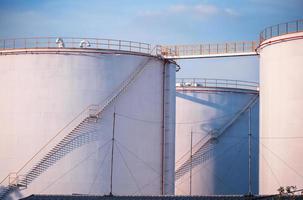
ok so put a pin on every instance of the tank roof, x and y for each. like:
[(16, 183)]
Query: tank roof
[(281, 29), (63, 44)]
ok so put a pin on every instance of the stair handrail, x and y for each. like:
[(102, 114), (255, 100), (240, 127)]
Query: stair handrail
[(4, 179), (203, 140), (120, 89), (84, 112), (216, 134), (238, 114), (52, 139), (96, 108)]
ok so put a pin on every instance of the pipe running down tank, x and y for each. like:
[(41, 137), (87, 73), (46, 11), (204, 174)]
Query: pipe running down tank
[(57, 105), (214, 119)]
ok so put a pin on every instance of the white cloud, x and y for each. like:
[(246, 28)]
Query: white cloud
[(200, 10), (231, 12), (178, 8), (205, 9), (149, 13)]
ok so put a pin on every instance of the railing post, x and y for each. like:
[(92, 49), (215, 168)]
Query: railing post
[(217, 48), (286, 27), (130, 46), (243, 46), (225, 47), (4, 46), (297, 25)]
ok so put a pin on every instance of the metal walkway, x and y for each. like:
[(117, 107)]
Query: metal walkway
[(49, 44), (230, 49)]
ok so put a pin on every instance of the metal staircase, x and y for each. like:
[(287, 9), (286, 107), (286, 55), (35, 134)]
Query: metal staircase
[(6, 191), (204, 151), (83, 132)]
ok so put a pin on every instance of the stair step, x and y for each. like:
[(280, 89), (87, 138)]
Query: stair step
[(73, 139)]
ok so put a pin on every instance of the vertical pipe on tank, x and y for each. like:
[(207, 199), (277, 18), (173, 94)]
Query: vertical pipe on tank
[(191, 161), (163, 130), (112, 156), (168, 161), (249, 152)]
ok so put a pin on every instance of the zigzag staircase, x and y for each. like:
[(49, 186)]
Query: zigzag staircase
[(204, 151), (84, 124)]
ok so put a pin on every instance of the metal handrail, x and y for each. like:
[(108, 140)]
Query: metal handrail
[(209, 49), (93, 110), (214, 134), (281, 29), (80, 117), (216, 83), (78, 43)]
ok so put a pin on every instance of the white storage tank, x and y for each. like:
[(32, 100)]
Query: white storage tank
[(281, 107), (214, 118), (85, 116)]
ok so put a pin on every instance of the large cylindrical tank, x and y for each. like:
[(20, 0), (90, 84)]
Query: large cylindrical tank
[(214, 118), (87, 120), (281, 107)]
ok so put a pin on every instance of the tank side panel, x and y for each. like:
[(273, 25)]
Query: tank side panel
[(226, 169), (42, 93), (169, 129), (281, 115)]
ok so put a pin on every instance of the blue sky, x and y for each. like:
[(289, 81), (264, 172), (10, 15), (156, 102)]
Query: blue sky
[(156, 22)]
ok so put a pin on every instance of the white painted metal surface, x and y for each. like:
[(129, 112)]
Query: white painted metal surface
[(281, 112), (216, 116), (42, 92)]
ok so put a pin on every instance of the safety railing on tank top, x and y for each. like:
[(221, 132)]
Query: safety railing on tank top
[(281, 29), (216, 83), (209, 49), (83, 43)]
